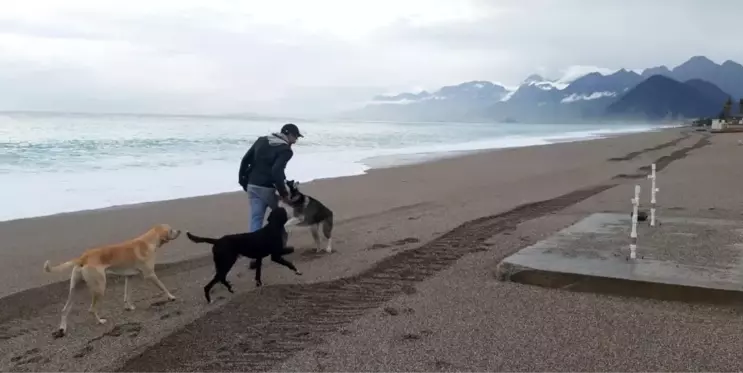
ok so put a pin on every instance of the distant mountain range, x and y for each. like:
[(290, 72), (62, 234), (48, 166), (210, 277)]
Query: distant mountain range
[(697, 88)]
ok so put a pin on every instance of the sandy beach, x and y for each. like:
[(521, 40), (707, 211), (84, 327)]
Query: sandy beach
[(410, 286)]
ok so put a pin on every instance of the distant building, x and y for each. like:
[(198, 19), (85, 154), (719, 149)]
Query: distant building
[(719, 124)]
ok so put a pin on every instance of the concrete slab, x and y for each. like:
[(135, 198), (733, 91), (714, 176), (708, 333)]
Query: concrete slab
[(688, 252)]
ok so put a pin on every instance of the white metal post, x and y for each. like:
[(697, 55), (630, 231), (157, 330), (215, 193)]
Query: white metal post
[(633, 234), (653, 190)]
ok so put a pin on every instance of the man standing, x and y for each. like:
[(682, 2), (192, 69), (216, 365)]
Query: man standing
[(262, 171)]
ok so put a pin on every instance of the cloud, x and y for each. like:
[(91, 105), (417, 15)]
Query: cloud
[(301, 56), (574, 72), (611, 34)]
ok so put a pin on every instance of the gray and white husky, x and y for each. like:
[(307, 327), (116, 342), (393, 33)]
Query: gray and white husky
[(307, 211)]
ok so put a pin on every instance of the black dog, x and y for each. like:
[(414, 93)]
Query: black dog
[(266, 241)]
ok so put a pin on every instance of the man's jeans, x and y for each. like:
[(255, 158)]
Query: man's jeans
[(261, 198)]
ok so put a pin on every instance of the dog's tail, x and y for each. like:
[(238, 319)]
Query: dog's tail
[(198, 239), (61, 267)]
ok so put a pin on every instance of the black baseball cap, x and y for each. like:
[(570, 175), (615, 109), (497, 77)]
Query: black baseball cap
[(291, 129)]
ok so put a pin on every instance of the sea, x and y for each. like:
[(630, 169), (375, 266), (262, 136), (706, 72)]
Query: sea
[(54, 163)]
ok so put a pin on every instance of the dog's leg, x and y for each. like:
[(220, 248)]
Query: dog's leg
[(223, 262), (327, 231), (127, 305), (149, 274), (96, 280), (285, 263), (223, 268), (208, 288), (75, 278), (291, 222), (258, 265), (329, 248), (222, 278), (316, 236), (226, 284), (217, 278)]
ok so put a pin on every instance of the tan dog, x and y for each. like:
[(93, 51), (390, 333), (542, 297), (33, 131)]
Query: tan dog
[(124, 259)]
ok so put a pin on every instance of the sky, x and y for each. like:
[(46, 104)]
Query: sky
[(297, 57)]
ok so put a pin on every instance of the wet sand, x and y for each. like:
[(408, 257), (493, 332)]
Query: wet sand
[(410, 284)]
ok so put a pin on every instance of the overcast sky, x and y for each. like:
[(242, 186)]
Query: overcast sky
[(309, 56)]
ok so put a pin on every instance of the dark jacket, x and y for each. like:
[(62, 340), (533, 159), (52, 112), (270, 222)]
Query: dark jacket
[(264, 163)]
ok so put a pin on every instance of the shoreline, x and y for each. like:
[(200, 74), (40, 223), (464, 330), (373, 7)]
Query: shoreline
[(427, 157), (371, 164)]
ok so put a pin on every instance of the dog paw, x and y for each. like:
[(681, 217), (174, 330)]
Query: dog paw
[(129, 307), (59, 333), (297, 273), (102, 321), (258, 283), (171, 297)]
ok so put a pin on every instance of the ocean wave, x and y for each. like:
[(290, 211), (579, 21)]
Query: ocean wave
[(86, 163)]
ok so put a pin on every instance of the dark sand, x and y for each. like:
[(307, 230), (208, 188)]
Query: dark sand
[(410, 286)]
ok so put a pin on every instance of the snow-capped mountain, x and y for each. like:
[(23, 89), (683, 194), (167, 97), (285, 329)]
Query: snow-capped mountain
[(582, 92), (449, 102), (565, 99)]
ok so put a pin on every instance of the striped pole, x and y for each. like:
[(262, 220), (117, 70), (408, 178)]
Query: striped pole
[(633, 233), (653, 190)]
